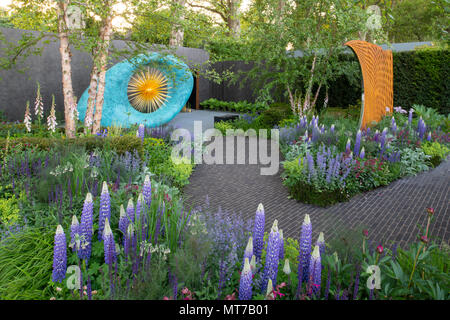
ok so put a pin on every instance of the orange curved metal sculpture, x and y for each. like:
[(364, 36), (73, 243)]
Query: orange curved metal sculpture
[(377, 70)]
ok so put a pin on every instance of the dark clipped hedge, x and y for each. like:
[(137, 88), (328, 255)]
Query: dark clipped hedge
[(420, 77), (119, 144)]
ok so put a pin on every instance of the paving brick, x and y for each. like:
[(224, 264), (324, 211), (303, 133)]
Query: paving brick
[(390, 213)]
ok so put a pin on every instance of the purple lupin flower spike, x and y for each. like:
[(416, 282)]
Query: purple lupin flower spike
[(321, 244), (75, 234), (105, 210), (248, 253), (128, 240), (305, 249), (86, 228), (130, 211), (357, 143), (59, 255), (429, 136), (123, 221), (139, 207), (315, 271), (141, 132), (281, 251), (109, 245), (258, 232), (362, 153), (245, 283), (347, 146), (272, 256), (332, 128), (147, 191)]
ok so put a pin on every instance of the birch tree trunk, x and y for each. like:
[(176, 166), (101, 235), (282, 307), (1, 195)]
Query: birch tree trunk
[(177, 34), (66, 68), (306, 104), (88, 119), (103, 62), (233, 21)]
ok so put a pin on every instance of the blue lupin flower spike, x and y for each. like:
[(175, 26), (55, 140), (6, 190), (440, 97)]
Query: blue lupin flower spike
[(59, 255), (245, 283), (258, 232), (105, 210), (86, 227)]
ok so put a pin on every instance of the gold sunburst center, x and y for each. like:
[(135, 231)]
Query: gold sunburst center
[(148, 90)]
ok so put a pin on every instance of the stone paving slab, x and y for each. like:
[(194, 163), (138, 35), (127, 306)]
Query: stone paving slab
[(390, 213)]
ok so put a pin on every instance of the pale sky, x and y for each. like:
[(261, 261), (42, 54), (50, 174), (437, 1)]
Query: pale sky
[(118, 21)]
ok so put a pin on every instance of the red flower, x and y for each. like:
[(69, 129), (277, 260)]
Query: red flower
[(430, 211), (365, 233), (424, 239), (380, 249)]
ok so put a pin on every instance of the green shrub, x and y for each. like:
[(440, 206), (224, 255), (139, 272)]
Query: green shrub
[(9, 209), (241, 106), (436, 151), (119, 144), (274, 115), (223, 126)]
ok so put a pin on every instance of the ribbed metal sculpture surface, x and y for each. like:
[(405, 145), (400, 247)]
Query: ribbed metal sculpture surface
[(377, 70)]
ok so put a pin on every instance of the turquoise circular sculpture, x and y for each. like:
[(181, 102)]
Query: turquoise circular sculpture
[(117, 109)]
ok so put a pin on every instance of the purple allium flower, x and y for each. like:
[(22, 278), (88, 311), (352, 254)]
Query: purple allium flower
[(59, 255), (281, 252), (248, 253), (362, 153), (258, 232), (86, 228), (321, 244), (147, 191), (245, 284), (75, 234), (272, 256), (305, 250), (130, 211), (105, 210), (141, 132), (123, 220), (315, 271), (109, 245), (357, 143)]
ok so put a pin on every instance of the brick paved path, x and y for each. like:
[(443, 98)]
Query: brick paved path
[(390, 213)]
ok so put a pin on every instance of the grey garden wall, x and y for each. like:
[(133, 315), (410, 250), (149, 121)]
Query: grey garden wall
[(16, 87)]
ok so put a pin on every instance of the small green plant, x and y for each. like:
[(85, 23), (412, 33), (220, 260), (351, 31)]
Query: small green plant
[(9, 209), (223, 126), (436, 151)]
